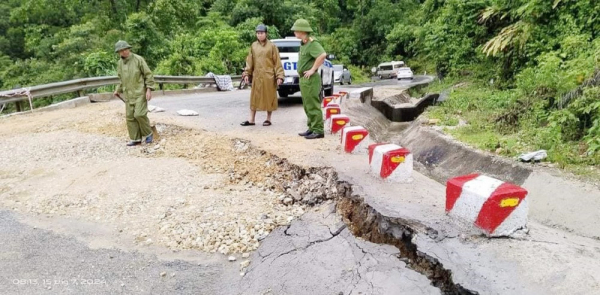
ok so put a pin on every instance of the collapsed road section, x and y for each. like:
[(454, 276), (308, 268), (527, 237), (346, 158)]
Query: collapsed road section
[(228, 200), (208, 193), (312, 186)]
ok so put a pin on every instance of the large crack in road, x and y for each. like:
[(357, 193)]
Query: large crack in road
[(281, 185), (362, 220)]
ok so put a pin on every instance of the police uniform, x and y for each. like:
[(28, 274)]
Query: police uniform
[(310, 88)]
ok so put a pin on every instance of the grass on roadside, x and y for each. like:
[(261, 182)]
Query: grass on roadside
[(359, 74), (471, 112)]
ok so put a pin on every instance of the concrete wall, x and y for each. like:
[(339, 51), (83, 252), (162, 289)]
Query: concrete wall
[(405, 114)]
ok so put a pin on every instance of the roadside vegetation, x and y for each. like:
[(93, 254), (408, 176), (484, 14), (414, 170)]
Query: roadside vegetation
[(522, 75)]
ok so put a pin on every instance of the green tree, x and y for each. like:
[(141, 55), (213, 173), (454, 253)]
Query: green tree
[(145, 38)]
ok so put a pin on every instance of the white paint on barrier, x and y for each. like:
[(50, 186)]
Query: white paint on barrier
[(384, 166), (496, 207), (403, 172), (352, 135), (334, 124), (474, 194), (377, 159), (515, 220)]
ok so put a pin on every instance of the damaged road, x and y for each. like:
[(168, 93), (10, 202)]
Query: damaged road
[(317, 254), (252, 195)]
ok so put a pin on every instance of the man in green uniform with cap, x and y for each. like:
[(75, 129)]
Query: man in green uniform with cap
[(137, 83), (311, 57)]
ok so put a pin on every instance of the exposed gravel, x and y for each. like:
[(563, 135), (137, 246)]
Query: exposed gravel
[(191, 190)]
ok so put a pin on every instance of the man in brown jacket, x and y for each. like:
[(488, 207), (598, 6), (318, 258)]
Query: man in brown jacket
[(263, 66)]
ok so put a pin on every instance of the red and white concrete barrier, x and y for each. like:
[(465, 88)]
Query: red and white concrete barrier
[(355, 139), (332, 109), (326, 101), (337, 98), (496, 207), (337, 122), (344, 94), (390, 162)]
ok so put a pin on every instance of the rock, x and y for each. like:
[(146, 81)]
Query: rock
[(295, 195), (245, 255), (318, 178), (433, 121), (245, 264), (288, 201), (155, 109), (232, 258), (164, 273), (187, 113)]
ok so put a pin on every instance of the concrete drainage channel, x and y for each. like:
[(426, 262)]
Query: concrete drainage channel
[(313, 186)]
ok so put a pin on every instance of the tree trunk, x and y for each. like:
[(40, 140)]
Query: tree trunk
[(137, 6)]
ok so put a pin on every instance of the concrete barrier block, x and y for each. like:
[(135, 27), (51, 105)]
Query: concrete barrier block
[(337, 98), (332, 109), (496, 207), (355, 139), (336, 123), (391, 162), (326, 101), (344, 94)]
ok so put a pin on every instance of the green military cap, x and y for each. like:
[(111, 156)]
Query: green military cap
[(301, 25), (261, 28), (121, 45)]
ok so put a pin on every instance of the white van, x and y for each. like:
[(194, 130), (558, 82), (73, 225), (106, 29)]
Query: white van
[(288, 52), (389, 70)]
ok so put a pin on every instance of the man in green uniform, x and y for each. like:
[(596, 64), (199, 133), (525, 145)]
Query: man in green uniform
[(311, 57), (137, 83)]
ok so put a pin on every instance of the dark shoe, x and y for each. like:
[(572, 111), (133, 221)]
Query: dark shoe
[(134, 143), (306, 133), (315, 136), (247, 123), (267, 123), (149, 139)]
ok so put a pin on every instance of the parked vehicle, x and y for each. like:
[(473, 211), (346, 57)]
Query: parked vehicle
[(341, 75), (404, 73), (288, 52), (388, 70)]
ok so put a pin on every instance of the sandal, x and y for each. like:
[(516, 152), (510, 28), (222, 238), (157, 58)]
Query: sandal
[(247, 123), (267, 123)]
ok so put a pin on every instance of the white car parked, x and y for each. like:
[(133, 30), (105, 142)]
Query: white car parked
[(341, 75), (404, 73)]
